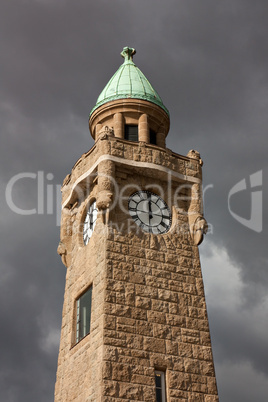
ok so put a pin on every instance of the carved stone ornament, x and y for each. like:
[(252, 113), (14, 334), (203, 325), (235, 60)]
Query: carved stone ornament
[(198, 229), (62, 251), (195, 155), (106, 132), (103, 203), (104, 199), (66, 180)]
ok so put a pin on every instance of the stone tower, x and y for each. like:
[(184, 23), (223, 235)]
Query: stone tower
[(134, 323)]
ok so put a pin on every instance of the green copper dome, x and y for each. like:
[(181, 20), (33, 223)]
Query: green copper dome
[(129, 82)]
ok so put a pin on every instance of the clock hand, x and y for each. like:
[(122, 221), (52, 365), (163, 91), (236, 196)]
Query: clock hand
[(150, 208)]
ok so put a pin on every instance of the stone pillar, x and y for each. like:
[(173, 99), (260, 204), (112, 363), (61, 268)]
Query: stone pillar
[(197, 223), (144, 133), (106, 171), (119, 125)]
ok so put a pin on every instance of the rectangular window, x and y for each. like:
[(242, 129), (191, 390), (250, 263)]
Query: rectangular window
[(152, 137), (160, 386), (83, 315), (131, 132)]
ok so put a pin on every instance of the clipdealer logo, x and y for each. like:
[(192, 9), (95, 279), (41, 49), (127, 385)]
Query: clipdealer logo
[(255, 193), (49, 197)]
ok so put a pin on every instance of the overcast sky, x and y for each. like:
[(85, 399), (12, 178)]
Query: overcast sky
[(208, 60)]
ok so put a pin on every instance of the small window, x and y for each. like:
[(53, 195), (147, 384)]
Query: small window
[(160, 386), (152, 137), (131, 132), (83, 316)]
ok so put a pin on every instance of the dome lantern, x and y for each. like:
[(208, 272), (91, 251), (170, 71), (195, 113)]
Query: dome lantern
[(129, 99)]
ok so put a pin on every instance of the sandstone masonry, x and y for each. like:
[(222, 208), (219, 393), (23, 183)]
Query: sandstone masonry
[(148, 309)]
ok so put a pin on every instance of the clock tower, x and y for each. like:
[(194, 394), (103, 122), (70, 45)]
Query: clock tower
[(134, 322)]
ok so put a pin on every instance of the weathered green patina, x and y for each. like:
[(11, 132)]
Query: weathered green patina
[(129, 82)]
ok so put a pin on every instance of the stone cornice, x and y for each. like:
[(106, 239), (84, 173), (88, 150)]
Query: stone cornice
[(130, 163)]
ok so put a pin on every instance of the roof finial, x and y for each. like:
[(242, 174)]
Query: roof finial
[(127, 53)]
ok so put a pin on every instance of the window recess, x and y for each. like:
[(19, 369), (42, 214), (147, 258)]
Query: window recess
[(83, 314), (131, 132), (153, 137), (160, 386)]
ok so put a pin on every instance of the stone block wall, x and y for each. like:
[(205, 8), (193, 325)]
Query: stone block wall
[(155, 318), (79, 373), (148, 303)]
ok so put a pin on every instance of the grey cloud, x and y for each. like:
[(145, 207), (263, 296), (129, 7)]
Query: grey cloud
[(208, 61)]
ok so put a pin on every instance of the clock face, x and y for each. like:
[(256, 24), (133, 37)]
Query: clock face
[(89, 223), (150, 212)]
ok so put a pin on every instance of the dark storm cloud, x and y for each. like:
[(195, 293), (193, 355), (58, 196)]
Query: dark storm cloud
[(208, 60), (29, 310)]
